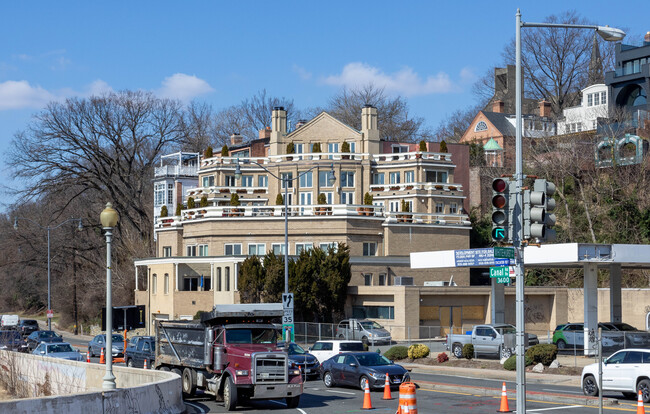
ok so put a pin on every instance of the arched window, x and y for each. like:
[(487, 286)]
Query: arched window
[(480, 126), (636, 97)]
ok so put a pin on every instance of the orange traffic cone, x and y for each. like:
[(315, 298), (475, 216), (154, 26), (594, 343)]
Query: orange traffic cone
[(640, 409), (504, 401), (102, 358), (387, 395), (367, 404), (145, 364), (87, 357)]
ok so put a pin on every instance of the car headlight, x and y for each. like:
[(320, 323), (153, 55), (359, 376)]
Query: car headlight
[(294, 372), (241, 372), (375, 375)]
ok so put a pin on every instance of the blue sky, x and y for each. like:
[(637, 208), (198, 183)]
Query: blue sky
[(221, 52)]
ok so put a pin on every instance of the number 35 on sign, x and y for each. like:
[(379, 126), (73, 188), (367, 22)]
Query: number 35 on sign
[(288, 316)]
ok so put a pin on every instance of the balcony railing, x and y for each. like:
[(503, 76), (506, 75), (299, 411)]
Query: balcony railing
[(333, 210), (213, 191), (415, 186), (176, 170)]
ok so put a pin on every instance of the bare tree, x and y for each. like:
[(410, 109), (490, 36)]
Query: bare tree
[(197, 125), (452, 128)]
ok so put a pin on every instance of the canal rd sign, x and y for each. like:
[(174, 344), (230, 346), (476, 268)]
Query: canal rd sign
[(504, 253), (501, 271), (505, 279)]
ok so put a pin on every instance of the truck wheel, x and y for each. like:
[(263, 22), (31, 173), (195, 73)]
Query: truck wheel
[(292, 402), (129, 362), (328, 380), (506, 352), (457, 350), (189, 381), (560, 344), (365, 340), (589, 386), (341, 336), (229, 395)]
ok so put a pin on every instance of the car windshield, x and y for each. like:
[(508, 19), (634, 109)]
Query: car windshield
[(32, 323), (370, 325), (295, 349), (59, 348), (117, 338), (373, 360), (47, 334), (624, 327), (251, 336)]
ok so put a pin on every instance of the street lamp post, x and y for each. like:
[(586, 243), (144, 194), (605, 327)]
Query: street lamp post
[(49, 278), (108, 218), (285, 181), (610, 34)]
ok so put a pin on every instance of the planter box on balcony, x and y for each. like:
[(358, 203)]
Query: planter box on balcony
[(394, 188), (224, 190), (378, 189)]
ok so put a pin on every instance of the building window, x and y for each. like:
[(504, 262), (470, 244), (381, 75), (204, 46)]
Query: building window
[(190, 284), (191, 250), (170, 194), (205, 283), (382, 279), (347, 197), (329, 197), (166, 283), (393, 206), (347, 178), (167, 251), (437, 177), (246, 180), (603, 98), (399, 148), (378, 178), (367, 279), (370, 249), (394, 177), (480, 126), (208, 181), (333, 147), (263, 181), (326, 246), (409, 177), (323, 178), (159, 194), (303, 246), (305, 199), (306, 180), (287, 180), (203, 249), (230, 181), (409, 204), (590, 99), (233, 249), (440, 208), (227, 279), (353, 146), (374, 312), (453, 208), (277, 248), (298, 148), (257, 249), (218, 279), (154, 283), (596, 99)]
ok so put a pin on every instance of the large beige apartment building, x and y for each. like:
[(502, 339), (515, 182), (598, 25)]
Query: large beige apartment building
[(198, 253)]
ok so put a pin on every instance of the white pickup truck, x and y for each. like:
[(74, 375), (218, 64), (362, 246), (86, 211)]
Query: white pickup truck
[(488, 339)]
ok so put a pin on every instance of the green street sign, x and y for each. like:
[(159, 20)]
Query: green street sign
[(500, 271), (504, 279), (504, 253)]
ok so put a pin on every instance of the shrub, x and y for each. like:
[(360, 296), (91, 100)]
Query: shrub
[(416, 351), (204, 201), (316, 147), (544, 353), (209, 152), (511, 363), (367, 199), (234, 200), (279, 200), (190, 202), (224, 150), (405, 207), (345, 147), (443, 357), (322, 199), (291, 148), (423, 146), (443, 146), (468, 351), (163, 211), (397, 352), (179, 208)]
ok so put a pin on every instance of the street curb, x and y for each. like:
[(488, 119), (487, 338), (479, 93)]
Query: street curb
[(535, 395)]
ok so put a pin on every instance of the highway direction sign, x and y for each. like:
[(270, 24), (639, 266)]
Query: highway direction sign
[(504, 252)]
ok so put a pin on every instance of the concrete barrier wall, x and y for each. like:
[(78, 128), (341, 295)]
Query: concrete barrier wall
[(76, 387)]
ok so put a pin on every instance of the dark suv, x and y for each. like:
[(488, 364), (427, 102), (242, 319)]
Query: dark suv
[(140, 348), (12, 341), (27, 326)]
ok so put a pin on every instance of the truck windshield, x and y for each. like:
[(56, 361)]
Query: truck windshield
[(251, 336), (371, 325), (506, 330)]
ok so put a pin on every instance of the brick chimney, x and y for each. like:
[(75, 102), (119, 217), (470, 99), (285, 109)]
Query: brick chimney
[(498, 106), (236, 139), (544, 108), (265, 133), (300, 123)]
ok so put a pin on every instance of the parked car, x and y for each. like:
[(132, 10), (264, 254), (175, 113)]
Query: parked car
[(35, 338), (363, 329), (302, 359), (631, 336), (9, 322), (62, 350), (487, 339), (359, 368), (27, 326), (12, 341), (140, 348), (98, 342), (626, 371), (570, 335), (324, 350)]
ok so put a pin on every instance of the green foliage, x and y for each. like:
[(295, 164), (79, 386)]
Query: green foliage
[(279, 200), (345, 147), (322, 199), (251, 280), (423, 146), (179, 209), (209, 152), (416, 351), (480, 233), (468, 351), (234, 200), (367, 199), (197, 315), (476, 155), (511, 363), (204, 201), (273, 277), (443, 357), (163, 211), (405, 206), (224, 151), (443, 146), (316, 147), (544, 353), (291, 148), (397, 352), (190, 203)]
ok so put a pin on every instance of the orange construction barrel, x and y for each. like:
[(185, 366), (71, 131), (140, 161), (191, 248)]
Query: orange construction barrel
[(407, 402)]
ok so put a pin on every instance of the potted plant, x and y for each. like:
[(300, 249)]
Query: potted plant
[(322, 199), (367, 200), (163, 211), (316, 147), (190, 203), (209, 152), (204, 201), (403, 218), (345, 149), (234, 201), (422, 148), (279, 200), (291, 149), (224, 151), (224, 190), (179, 209), (443, 146)]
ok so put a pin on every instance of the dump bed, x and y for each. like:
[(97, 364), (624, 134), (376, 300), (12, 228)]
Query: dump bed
[(180, 343)]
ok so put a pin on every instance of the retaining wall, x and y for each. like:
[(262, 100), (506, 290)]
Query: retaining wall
[(76, 387)]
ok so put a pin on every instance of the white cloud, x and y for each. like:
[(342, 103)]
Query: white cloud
[(467, 75), (98, 87), (404, 82), (20, 94), (183, 87), (302, 72)]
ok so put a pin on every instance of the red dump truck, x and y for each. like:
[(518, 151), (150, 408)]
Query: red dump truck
[(232, 353)]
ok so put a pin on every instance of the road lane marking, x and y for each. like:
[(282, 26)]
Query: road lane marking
[(447, 392), (281, 403), (342, 392), (554, 408), (562, 391)]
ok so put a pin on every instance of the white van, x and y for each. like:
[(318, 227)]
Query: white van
[(9, 321), (324, 350)]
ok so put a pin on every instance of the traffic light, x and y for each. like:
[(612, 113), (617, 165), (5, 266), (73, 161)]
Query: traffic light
[(501, 210), (548, 188), (537, 205)]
